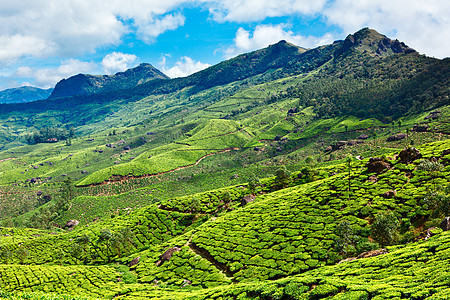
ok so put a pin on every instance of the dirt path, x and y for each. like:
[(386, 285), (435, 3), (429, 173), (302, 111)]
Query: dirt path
[(118, 178), (6, 159)]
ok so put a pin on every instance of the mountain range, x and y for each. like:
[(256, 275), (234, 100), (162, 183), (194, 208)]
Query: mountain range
[(24, 94)]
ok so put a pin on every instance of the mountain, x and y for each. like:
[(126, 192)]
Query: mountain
[(23, 94), (84, 84)]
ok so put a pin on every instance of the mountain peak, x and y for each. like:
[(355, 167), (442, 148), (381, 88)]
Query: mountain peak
[(369, 40), (83, 84)]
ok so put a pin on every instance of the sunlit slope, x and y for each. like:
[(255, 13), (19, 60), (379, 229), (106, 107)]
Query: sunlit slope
[(206, 139)]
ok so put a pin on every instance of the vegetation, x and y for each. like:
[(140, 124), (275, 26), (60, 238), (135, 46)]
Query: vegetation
[(50, 135)]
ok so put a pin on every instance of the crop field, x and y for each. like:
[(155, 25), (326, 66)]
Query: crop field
[(89, 281), (415, 271)]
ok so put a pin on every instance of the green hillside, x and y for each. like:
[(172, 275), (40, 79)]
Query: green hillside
[(284, 173)]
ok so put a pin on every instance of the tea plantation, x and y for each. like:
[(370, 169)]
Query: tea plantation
[(285, 243)]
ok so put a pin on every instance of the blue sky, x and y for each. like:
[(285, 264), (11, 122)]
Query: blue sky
[(43, 41)]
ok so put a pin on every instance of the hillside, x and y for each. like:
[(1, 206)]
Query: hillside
[(236, 251), (84, 84), (24, 94), (284, 173)]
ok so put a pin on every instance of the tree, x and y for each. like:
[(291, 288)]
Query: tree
[(439, 201), (117, 243), (384, 228), (309, 160), (283, 176), (345, 239), (77, 251), (226, 198), (67, 193), (253, 183), (433, 168), (127, 237), (104, 237), (349, 161), (195, 205), (5, 254), (22, 254)]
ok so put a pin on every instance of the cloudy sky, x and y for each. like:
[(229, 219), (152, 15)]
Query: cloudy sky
[(43, 41)]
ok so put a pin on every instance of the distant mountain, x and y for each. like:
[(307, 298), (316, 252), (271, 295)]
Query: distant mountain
[(85, 84), (24, 94)]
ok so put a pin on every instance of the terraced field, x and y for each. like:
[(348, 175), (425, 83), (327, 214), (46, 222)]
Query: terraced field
[(282, 243)]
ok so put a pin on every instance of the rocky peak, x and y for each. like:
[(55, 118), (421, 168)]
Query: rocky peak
[(369, 40)]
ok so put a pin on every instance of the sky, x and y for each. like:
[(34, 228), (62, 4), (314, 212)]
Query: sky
[(44, 41)]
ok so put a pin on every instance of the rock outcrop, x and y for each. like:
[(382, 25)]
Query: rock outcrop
[(71, 224), (396, 137), (247, 199), (377, 165), (166, 256), (134, 261), (445, 224), (420, 128), (409, 155)]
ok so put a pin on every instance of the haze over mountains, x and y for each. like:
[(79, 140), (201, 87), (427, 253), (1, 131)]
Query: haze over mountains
[(24, 94)]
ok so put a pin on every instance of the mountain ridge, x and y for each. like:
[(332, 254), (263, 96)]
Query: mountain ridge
[(24, 94), (84, 84)]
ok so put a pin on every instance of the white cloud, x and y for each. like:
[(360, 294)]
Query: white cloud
[(118, 62), (423, 25), (184, 67), (67, 28), (264, 35), (48, 77), (19, 45), (150, 29), (257, 10)]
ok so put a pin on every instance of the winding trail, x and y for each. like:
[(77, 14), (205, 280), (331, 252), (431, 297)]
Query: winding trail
[(6, 159), (118, 178)]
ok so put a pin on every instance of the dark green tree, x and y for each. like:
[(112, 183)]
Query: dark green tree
[(283, 176), (346, 239), (433, 168), (384, 228), (253, 183)]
